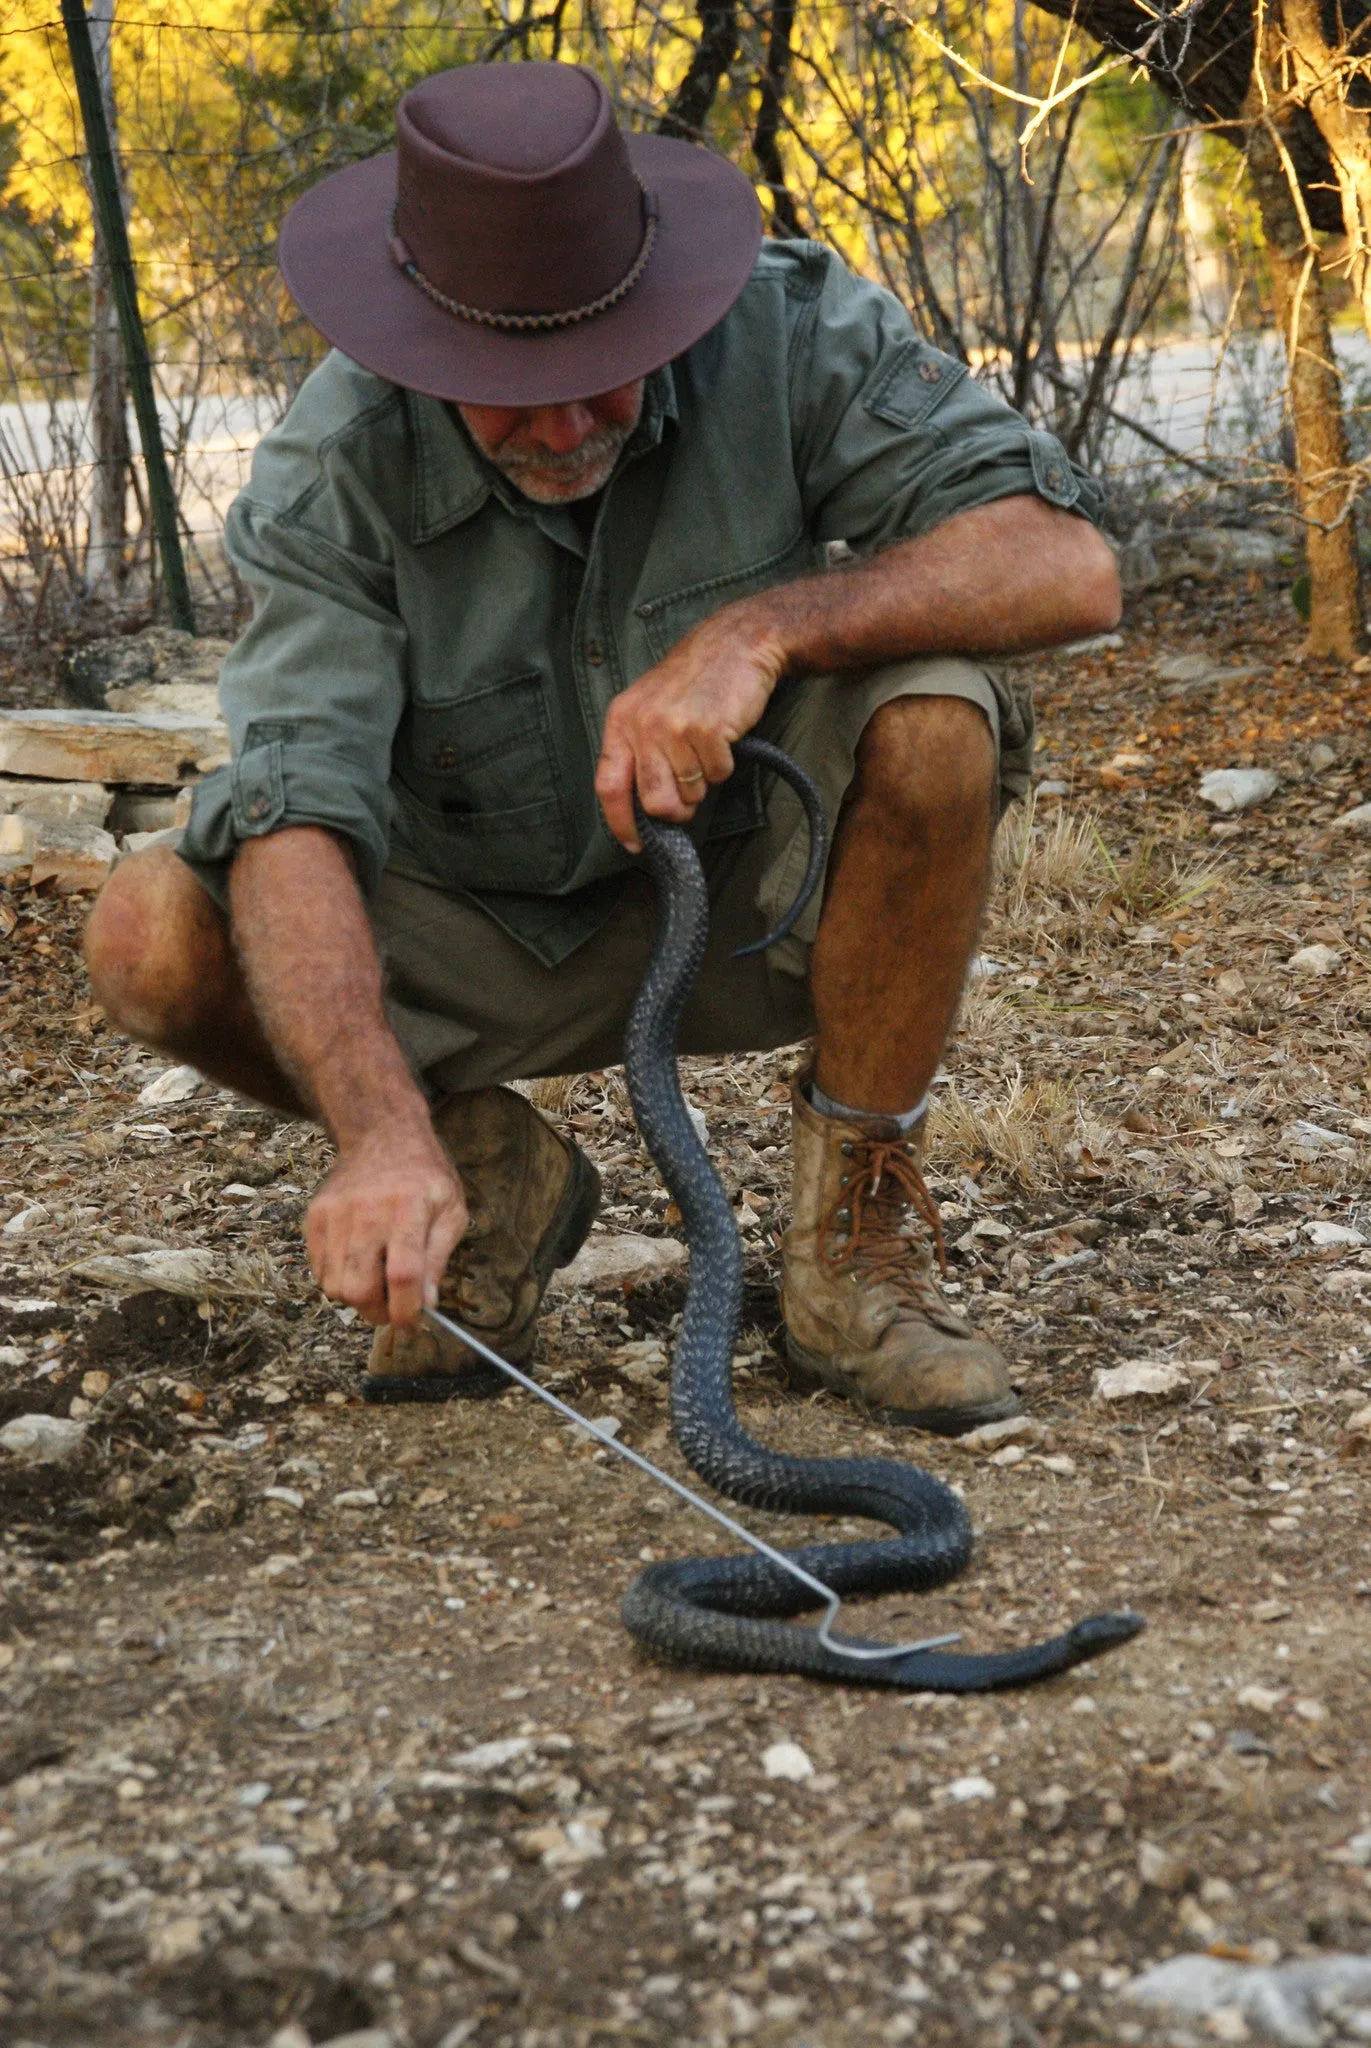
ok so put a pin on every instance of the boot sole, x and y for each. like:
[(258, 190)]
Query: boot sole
[(807, 1374), (563, 1238)]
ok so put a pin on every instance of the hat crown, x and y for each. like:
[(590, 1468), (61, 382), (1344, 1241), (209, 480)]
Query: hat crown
[(514, 189)]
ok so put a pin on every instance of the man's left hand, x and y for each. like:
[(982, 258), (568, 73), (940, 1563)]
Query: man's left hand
[(670, 734)]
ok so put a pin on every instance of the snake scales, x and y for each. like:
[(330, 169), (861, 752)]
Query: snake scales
[(734, 1612)]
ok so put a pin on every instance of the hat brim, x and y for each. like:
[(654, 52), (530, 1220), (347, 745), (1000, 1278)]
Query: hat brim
[(334, 254)]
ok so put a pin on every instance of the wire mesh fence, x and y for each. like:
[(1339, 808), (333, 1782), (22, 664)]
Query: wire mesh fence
[(1057, 268)]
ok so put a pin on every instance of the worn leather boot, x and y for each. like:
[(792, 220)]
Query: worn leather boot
[(863, 1310), (531, 1197)]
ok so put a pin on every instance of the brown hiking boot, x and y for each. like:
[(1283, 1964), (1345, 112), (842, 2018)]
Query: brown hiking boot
[(531, 1196), (863, 1310)]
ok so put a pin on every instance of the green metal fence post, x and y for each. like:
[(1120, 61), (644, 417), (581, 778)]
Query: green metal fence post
[(105, 193)]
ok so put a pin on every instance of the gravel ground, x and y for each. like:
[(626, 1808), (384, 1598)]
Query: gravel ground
[(317, 1720)]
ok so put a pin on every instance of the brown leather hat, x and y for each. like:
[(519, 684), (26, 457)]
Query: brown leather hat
[(516, 248)]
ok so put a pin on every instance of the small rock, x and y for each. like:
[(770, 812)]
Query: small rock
[(265, 1856), (358, 1497), (75, 857), (1355, 820), (24, 1219), (787, 1760), (993, 1436), (963, 1790), (94, 1385), (1141, 1380), (1303, 1136), (1260, 1698), (1237, 789), (1324, 1234), (1064, 1467), (609, 1261), (1231, 985), (288, 1496), (1359, 1851), (1271, 1610), (698, 1123), (43, 1439), (1161, 1868), (1012, 1454), (1098, 643), (1314, 960), (1359, 1423), (1247, 1205), (1310, 1710), (1186, 668), (255, 1795), (1288, 2003), (176, 1941), (493, 1756), (177, 1084)]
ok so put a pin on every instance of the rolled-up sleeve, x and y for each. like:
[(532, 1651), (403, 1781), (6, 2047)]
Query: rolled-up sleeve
[(314, 690), (892, 437)]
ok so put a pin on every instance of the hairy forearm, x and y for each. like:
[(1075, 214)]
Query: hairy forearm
[(1001, 579), (311, 965)]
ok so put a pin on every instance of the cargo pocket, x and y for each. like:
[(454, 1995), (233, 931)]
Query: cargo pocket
[(477, 783)]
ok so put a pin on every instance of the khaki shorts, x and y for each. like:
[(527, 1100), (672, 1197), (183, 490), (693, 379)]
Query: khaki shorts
[(471, 1006)]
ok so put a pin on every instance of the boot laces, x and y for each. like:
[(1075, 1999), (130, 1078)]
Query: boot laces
[(884, 1184)]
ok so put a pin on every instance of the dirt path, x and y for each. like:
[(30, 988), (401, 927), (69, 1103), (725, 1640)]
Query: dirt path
[(318, 1720)]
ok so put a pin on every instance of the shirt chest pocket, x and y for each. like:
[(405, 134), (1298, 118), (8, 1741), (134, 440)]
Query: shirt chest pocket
[(667, 619), (479, 787)]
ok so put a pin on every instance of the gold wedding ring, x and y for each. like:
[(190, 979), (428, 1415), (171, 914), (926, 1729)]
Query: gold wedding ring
[(695, 775)]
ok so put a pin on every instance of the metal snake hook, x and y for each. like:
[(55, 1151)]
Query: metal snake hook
[(859, 1652)]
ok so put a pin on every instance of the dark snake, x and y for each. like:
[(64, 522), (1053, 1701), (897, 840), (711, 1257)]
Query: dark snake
[(733, 1612)]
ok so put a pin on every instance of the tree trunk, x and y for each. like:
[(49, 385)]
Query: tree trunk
[(1323, 480), (1324, 77), (107, 550)]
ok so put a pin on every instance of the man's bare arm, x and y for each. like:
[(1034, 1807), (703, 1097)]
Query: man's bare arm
[(384, 1223), (1000, 579)]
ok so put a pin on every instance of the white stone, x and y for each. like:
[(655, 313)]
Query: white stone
[(1237, 789), (993, 1436), (140, 842), (85, 802), (698, 1123), (1288, 2002), (1307, 1137), (110, 746), (1323, 1234), (43, 1439), (288, 1496), (32, 1213), (787, 1760), (1186, 668), (189, 1272), (1315, 960), (1358, 820), (1141, 1379), (963, 1790), (176, 1941), (358, 1497), (623, 1259), (493, 1756), (177, 1084), (198, 701), (70, 853)]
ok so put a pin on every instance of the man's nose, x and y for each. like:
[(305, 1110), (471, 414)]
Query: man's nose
[(561, 428)]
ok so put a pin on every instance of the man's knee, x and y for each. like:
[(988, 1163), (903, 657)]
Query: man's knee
[(155, 945), (930, 758)]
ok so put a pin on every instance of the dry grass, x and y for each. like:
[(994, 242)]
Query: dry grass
[(1026, 1133)]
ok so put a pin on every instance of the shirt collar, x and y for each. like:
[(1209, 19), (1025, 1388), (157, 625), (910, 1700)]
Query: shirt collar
[(452, 481)]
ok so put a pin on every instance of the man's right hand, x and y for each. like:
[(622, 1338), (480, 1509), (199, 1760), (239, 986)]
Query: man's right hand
[(384, 1224)]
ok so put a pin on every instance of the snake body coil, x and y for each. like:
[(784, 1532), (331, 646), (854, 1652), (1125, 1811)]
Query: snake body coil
[(733, 1612)]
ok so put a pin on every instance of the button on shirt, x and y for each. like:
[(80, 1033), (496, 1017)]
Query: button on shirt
[(432, 655)]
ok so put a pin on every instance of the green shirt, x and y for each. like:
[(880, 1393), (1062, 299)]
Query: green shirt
[(432, 655)]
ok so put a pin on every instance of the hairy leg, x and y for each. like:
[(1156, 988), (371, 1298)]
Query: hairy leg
[(902, 908), (162, 964)]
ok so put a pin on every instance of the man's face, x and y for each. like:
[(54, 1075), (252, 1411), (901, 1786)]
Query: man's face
[(557, 453)]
